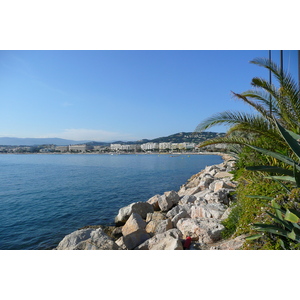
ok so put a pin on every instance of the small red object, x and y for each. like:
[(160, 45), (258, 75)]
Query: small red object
[(187, 243)]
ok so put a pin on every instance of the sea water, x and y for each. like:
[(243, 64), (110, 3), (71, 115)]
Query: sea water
[(44, 197)]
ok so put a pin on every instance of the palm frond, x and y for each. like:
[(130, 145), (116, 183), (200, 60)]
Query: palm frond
[(256, 106), (227, 118)]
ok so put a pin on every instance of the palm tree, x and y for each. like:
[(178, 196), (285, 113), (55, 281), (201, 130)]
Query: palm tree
[(260, 127)]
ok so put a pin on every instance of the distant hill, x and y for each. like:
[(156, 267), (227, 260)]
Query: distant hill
[(11, 141), (188, 137), (181, 137)]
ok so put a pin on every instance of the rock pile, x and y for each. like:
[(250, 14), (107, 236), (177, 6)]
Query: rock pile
[(164, 222)]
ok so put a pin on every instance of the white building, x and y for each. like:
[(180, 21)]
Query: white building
[(115, 147), (79, 148), (165, 146), (150, 147)]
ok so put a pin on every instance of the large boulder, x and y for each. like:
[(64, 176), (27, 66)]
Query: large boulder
[(134, 223), (204, 230), (157, 215), (165, 203), (158, 226), (169, 240), (174, 211), (154, 202), (219, 196), (211, 210), (190, 191), (187, 199), (99, 241), (222, 184), (141, 208), (180, 215), (172, 196), (70, 241), (234, 244), (136, 238), (206, 181)]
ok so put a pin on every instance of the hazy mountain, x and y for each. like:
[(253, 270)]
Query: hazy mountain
[(181, 137), (11, 141), (189, 137)]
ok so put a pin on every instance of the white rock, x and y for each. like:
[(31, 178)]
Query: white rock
[(180, 215), (165, 203), (88, 239), (134, 223), (141, 208), (157, 215), (163, 226), (205, 230), (169, 240), (211, 210), (187, 199), (154, 202), (172, 196), (70, 241), (136, 238)]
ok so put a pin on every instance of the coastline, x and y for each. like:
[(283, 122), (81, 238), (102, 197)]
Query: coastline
[(170, 221)]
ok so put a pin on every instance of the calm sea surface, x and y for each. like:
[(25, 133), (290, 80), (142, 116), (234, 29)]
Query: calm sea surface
[(45, 197)]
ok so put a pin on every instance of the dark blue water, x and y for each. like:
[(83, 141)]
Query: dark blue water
[(45, 197)]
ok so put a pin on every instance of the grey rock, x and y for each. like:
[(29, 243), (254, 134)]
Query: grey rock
[(141, 208), (187, 199), (70, 241), (164, 203), (204, 230), (134, 223), (211, 210), (154, 202), (180, 215), (157, 215), (169, 240), (98, 240), (172, 196), (136, 238)]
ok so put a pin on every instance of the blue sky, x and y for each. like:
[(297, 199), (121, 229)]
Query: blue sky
[(129, 95)]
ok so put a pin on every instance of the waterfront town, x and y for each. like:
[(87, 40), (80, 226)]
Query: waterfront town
[(151, 147)]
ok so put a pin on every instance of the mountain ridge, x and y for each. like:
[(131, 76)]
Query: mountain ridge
[(180, 137)]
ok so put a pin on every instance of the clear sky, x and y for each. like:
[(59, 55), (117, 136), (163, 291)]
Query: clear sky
[(122, 95)]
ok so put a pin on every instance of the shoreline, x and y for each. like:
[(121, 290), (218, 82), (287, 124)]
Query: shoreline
[(169, 221), (113, 153)]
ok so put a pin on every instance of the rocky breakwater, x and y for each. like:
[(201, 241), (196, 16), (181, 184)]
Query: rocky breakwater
[(188, 219)]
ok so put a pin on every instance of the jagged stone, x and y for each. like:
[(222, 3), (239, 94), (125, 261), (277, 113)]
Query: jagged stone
[(154, 202), (211, 210), (164, 203), (180, 215), (172, 196), (157, 215), (141, 208), (234, 244), (219, 196), (187, 199), (169, 240), (99, 241), (136, 238), (204, 230), (134, 223), (70, 241)]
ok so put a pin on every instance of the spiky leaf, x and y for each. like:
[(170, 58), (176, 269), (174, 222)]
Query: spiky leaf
[(259, 197), (289, 216), (272, 169), (253, 237), (294, 145), (284, 178), (276, 155)]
